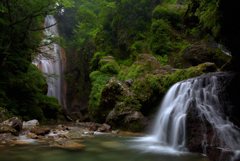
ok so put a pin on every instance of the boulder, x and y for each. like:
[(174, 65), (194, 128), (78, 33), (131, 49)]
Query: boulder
[(126, 118), (8, 129), (14, 122), (31, 136), (30, 124), (40, 131), (202, 52), (6, 136), (111, 93), (63, 143)]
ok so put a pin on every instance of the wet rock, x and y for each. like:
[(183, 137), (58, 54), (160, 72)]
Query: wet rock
[(32, 136), (30, 124), (50, 137), (14, 122), (6, 136), (63, 143), (63, 127), (90, 133), (8, 129), (40, 131), (74, 135)]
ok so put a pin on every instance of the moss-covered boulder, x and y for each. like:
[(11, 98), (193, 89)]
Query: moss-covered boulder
[(8, 129), (111, 94), (202, 52), (126, 118)]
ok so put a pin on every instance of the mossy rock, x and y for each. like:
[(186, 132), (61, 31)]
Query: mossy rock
[(202, 52), (8, 129)]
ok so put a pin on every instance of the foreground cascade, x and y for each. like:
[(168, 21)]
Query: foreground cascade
[(56, 65), (199, 96)]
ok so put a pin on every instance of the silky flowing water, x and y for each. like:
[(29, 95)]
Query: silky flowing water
[(99, 147)]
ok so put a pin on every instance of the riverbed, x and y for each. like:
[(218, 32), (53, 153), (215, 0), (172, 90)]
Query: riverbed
[(99, 147)]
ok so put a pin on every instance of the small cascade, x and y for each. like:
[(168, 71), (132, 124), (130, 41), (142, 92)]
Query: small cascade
[(201, 94), (49, 66)]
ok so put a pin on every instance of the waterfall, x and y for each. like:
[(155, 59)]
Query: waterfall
[(201, 94), (49, 66)]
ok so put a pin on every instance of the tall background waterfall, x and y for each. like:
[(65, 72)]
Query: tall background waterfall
[(201, 96), (56, 86)]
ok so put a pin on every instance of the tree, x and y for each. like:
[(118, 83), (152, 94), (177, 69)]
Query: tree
[(21, 34)]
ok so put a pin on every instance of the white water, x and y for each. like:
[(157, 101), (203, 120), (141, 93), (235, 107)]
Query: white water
[(50, 66), (170, 126)]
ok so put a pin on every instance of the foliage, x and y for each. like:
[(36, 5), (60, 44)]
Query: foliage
[(160, 37), (22, 86), (98, 81), (174, 16)]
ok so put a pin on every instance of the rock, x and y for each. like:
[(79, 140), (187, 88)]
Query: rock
[(129, 82), (128, 119), (30, 124), (32, 136), (74, 135), (40, 137), (40, 131), (104, 128), (6, 136), (14, 122), (63, 127), (62, 136), (90, 133), (63, 143), (111, 93), (8, 129), (201, 53), (92, 128), (50, 137)]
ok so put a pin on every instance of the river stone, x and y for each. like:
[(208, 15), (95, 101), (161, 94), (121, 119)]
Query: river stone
[(8, 129), (112, 145), (30, 124), (74, 135), (6, 136), (63, 143), (31, 136), (14, 122), (40, 131)]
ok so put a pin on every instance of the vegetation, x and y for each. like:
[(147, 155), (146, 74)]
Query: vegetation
[(22, 87)]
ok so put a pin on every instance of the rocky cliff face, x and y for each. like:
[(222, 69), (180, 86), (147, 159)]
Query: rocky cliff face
[(201, 135)]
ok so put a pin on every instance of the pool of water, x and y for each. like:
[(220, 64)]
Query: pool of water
[(100, 147)]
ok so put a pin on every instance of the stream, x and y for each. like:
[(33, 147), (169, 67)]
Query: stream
[(99, 147)]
